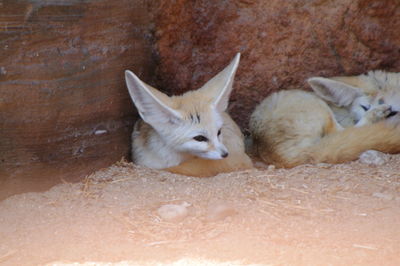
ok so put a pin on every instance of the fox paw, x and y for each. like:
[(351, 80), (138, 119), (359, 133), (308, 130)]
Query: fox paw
[(374, 115), (378, 113)]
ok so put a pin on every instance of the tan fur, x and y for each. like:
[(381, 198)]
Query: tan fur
[(347, 145), (295, 127)]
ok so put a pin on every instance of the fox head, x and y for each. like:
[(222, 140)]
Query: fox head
[(191, 123), (360, 93)]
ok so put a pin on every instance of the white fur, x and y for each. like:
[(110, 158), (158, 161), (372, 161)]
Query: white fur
[(152, 109), (334, 91)]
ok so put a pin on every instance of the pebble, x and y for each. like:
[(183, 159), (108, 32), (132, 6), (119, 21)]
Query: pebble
[(373, 157), (173, 212), (324, 165)]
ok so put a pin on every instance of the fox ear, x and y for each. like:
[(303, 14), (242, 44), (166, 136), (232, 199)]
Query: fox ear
[(153, 105), (334, 91), (220, 86)]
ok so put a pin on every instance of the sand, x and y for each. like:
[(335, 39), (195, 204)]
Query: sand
[(346, 214)]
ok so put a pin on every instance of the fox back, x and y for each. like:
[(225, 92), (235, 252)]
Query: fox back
[(191, 127)]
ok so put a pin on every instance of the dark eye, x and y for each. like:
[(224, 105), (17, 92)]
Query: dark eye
[(219, 132), (381, 101), (200, 138), (364, 107), (392, 113)]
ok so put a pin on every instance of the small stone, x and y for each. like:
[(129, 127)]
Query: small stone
[(373, 157), (219, 211), (259, 164), (324, 165), (384, 196), (173, 212), (271, 167)]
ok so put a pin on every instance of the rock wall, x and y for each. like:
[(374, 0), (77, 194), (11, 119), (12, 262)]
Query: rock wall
[(282, 43), (64, 107)]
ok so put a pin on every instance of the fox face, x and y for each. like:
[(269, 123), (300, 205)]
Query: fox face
[(200, 134), (371, 97), (191, 123)]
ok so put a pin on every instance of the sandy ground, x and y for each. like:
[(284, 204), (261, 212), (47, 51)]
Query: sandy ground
[(346, 214)]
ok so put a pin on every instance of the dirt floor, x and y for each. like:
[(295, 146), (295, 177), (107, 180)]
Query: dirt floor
[(346, 214)]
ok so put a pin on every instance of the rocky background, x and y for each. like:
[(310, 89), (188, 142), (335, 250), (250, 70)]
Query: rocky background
[(64, 108), (282, 43)]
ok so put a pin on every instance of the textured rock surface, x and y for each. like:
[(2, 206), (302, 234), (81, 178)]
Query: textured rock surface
[(282, 43), (64, 108)]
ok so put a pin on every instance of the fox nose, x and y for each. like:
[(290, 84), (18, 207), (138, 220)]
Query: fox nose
[(224, 154)]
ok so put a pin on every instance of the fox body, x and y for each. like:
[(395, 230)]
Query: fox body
[(189, 134), (342, 118)]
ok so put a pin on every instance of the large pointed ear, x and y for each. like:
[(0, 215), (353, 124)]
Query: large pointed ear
[(334, 91), (153, 105), (221, 85)]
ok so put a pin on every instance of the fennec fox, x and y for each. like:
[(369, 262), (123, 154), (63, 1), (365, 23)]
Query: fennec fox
[(295, 127), (190, 134)]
